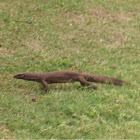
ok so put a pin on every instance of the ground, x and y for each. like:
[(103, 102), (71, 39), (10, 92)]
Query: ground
[(92, 36)]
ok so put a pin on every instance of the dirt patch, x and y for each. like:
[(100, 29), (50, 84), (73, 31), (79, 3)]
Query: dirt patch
[(6, 52), (98, 12), (74, 18), (77, 19), (35, 45), (122, 17)]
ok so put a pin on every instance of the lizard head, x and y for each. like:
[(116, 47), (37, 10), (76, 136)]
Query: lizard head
[(25, 76), (19, 76)]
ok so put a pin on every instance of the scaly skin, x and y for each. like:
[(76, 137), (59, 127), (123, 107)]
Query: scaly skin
[(67, 77)]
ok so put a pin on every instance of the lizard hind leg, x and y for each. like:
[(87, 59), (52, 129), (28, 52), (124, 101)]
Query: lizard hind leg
[(84, 82)]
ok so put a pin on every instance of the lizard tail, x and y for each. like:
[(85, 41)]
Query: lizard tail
[(103, 79)]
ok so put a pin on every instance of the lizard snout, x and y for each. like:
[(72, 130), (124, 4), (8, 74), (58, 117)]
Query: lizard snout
[(15, 76)]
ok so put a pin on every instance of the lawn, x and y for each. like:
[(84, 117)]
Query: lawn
[(92, 36)]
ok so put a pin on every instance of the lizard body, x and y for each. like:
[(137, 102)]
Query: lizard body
[(67, 77)]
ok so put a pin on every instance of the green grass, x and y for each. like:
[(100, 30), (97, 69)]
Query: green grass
[(93, 36)]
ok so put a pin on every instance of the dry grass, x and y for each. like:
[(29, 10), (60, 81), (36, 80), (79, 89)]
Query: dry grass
[(34, 44)]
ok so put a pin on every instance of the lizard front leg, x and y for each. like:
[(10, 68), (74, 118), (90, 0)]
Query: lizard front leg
[(83, 82), (45, 85)]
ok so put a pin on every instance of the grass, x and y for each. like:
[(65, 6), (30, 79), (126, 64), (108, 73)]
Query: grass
[(92, 36)]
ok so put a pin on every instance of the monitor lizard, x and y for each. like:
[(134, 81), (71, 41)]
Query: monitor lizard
[(67, 77)]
